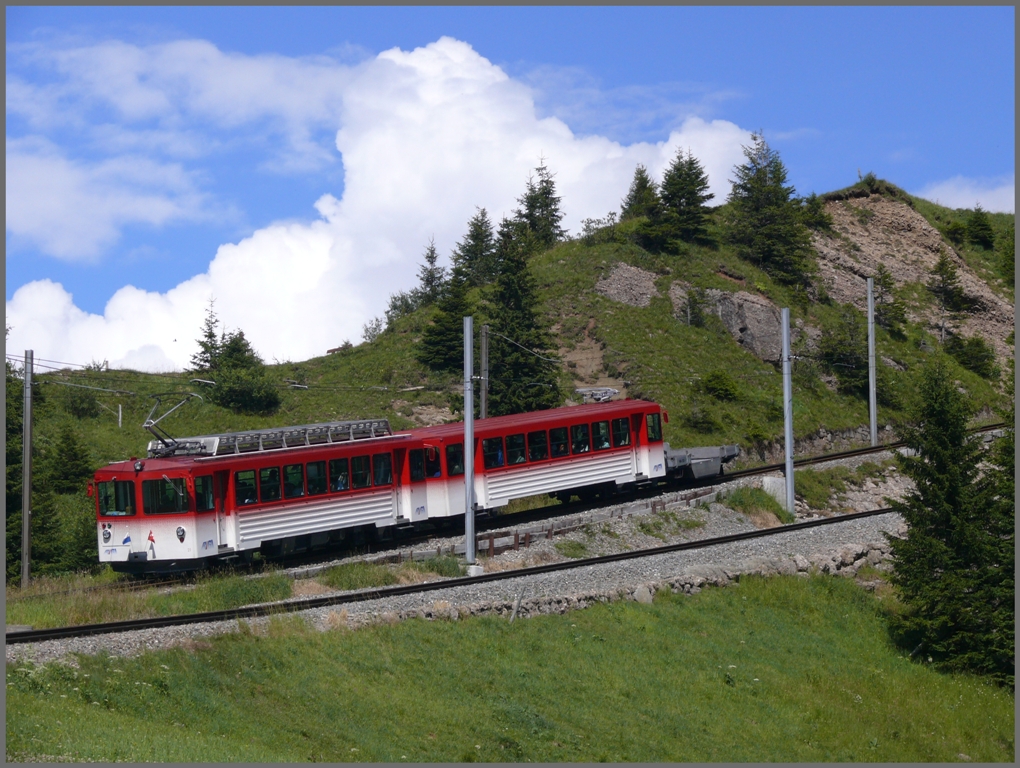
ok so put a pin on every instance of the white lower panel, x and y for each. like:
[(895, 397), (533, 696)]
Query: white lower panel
[(531, 479), (257, 525)]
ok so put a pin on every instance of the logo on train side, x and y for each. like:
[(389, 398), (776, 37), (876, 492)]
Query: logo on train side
[(207, 544), (658, 468), (420, 510)]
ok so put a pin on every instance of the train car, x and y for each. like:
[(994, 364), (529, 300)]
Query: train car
[(197, 499)]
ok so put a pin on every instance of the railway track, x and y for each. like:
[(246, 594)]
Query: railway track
[(292, 606)]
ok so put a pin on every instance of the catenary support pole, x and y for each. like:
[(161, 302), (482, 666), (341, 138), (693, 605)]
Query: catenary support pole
[(26, 476), (788, 408), (469, 441), (872, 398), (484, 388)]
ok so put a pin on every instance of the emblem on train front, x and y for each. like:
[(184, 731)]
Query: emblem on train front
[(180, 534)]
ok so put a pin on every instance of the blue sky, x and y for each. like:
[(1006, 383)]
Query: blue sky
[(293, 163)]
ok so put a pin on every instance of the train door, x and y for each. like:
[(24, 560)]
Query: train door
[(413, 493), (641, 458), (223, 538), (435, 483)]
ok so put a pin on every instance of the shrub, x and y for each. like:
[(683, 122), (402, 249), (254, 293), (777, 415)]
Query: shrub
[(721, 386), (973, 353)]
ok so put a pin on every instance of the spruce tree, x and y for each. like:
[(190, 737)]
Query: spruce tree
[(889, 310), (765, 223), (979, 229), (522, 371), (684, 192), (540, 208), (1005, 247), (955, 549), (204, 360), (242, 384), (431, 278), (945, 285), (642, 198), (442, 343), (476, 253)]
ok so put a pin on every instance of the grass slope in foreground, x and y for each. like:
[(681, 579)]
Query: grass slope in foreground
[(783, 669)]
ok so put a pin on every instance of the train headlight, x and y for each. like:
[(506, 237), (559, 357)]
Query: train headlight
[(180, 535), (106, 535)]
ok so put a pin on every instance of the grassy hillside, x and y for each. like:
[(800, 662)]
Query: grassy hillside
[(659, 356), (784, 669)]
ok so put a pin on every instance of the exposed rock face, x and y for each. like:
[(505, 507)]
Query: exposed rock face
[(754, 321), (629, 285), (875, 230)]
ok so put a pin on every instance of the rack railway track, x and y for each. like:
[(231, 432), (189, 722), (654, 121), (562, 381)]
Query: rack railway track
[(293, 606)]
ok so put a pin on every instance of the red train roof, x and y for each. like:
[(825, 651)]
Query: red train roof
[(535, 419)]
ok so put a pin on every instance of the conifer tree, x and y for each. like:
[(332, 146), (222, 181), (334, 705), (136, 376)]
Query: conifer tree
[(204, 360), (956, 547), (889, 310), (764, 223), (642, 198), (979, 229), (522, 372), (945, 284), (1005, 247), (540, 208), (477, 251), (431, 278), (684, 192), (442, 343), (241, 381)]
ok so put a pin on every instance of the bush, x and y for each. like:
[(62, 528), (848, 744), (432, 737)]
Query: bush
[(245, 390), (721, 386), (973, 353)]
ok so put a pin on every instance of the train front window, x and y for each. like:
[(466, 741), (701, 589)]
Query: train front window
[(654, 427), (293, 481), (621, 432), (455, 459), (492, 452), (339, 475), (117, 498), (558, 441), (515, 449), (382, 469), (538, 446), (203, 494), (417, 461), (600, 435), (245, 491), (164, 496), (316, 477), (432, 468), (269, 484), (361, 472), (579, 442)]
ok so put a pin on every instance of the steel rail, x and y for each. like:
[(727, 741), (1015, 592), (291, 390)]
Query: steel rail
[(292, 606)]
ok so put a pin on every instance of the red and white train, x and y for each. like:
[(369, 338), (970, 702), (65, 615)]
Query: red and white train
[(194, 500)]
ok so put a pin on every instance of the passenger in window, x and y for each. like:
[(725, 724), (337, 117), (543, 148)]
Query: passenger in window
[(342, 483)]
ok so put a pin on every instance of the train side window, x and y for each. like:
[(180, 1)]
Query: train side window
[(203, 494), (621, 432), (558, 441), (164, 496), (269, 484), (455, 459), (382, 469), (600, 435), (654, 427), (316, 471), (417, 460), (492, 452), (361, 472), (293, 481), (339, 476), (432, 468), (117, 498), (579, 442), (244, 488), (538, 446), (515, 449)]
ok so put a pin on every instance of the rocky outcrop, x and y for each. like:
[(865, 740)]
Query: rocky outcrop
[(629, 285)]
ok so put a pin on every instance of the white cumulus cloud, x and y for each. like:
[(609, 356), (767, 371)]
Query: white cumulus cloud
[(425, 136), (997, 195)]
